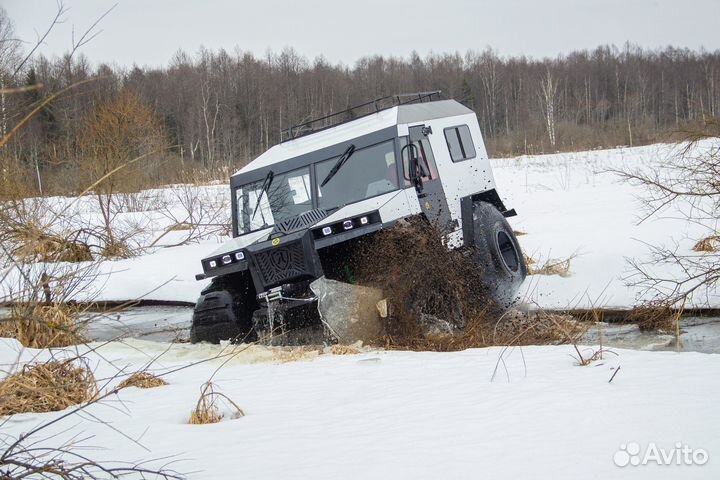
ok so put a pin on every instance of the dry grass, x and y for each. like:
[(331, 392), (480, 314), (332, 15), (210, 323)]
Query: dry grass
[(42, 326), (344, 350), (444, 288), (552, 266), (511, 328), (292, 354), (116, 249), (653, 318), (142, 380), (206, 410), (46, 387), (52, 248), (28, 234), (710, 244), (538, 328)]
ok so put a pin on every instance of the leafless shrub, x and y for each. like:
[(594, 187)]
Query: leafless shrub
[(198, 212), (206, 410), (653, 317), (686, 180), (140, 202), (47, 387), (142, 380), (30, 233)]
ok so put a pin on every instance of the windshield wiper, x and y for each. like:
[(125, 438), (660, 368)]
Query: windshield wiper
[(338, 165), (266, 184)]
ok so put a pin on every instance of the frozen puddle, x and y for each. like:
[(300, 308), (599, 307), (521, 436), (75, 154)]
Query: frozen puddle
[(161, 324), (164, 324), (172, 324), (696, 335)]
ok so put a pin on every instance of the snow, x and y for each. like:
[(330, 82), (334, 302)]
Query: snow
[(573, 205), (403, 414), (568, 204), (492, 412)]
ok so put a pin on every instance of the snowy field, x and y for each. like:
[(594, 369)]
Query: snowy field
[(567, 205), (535, 414), (493, 412)]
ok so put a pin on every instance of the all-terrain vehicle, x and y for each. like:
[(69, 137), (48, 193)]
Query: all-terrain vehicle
[(298, 209)]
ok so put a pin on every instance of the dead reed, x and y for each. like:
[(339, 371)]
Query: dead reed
[(47, 387)]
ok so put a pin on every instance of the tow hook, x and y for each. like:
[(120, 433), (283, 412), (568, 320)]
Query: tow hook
[(272, 295)]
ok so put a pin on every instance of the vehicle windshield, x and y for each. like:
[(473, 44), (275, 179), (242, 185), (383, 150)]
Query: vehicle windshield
[(369, 172), (289, 195)]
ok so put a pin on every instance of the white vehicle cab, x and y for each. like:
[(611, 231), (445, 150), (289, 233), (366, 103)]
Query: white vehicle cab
[(298, 208)]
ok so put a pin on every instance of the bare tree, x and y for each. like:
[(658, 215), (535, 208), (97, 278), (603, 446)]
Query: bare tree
[(548, 90)]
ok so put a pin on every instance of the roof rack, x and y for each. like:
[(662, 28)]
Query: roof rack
[(355, 112)]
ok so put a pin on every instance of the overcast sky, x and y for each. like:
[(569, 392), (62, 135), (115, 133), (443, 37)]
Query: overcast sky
[(148, 32)]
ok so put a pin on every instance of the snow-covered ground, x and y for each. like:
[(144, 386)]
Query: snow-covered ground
[(493, 412), (535, 414), (567, 205), (571, 205)]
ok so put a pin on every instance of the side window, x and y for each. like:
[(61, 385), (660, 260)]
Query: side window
[(426, 157), (459, 142)]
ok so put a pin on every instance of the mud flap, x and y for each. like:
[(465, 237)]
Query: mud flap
[(349, 312)]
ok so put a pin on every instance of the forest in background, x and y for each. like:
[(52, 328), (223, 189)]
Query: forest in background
[(207, 114)]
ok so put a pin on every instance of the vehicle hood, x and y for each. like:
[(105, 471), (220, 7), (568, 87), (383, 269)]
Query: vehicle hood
[(386, 204)]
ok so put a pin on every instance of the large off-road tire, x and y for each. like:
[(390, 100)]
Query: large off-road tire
[(224, 311), (497, 253)]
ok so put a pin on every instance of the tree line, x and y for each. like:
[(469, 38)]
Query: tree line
[(216, 110)]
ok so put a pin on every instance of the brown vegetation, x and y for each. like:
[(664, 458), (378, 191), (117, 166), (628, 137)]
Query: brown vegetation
[(47, 387), (551, 266), (142, 380), (653, 318), (436, 299), (430, 289), (36, 325), (206, 410), (220, 109), (709, 244), (344, 349)]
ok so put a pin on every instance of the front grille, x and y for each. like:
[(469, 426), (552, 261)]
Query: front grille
[(281, 263), (299, 222)]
